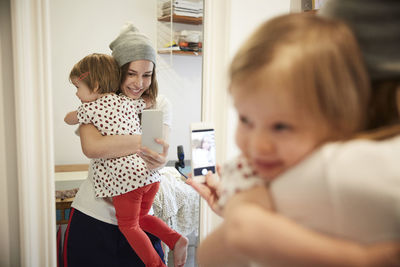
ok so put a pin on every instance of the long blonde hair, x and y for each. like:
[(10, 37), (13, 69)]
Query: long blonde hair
[(317, 60)]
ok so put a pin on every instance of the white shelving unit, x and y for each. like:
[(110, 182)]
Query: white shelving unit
[(169, 24)]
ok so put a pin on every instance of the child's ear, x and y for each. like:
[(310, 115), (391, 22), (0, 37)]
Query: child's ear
[(96, 87)]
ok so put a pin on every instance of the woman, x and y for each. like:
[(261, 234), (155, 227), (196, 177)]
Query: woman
[(283, 242), (92, 237)]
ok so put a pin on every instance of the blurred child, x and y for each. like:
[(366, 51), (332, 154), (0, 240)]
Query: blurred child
[(298, 82)]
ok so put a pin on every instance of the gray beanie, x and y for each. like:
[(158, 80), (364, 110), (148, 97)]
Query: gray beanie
[(131, 45), (376, 25)]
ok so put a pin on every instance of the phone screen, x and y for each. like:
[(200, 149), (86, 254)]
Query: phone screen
[(203, 151)]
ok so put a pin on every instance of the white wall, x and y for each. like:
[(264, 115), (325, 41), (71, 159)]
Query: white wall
[(179, 78), (79, 28)]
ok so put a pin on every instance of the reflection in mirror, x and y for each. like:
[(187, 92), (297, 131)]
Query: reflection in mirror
[(79, 28)]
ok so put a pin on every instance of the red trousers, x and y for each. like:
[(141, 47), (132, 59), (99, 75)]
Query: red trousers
[(132, 210)]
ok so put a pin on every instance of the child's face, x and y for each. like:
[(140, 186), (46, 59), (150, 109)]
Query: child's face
[(83, 92), (272, 133), (138, 78)]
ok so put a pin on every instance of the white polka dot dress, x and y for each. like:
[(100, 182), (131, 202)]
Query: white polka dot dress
[(117, 115), (236, 175)]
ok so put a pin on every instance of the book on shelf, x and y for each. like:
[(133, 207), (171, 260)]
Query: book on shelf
[(183, 8)]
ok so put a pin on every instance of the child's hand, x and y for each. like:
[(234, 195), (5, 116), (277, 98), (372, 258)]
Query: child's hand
[(148, 102), (208, 190), (71, 118)]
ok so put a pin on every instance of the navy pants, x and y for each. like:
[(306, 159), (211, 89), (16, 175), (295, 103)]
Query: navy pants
[(90, 242)]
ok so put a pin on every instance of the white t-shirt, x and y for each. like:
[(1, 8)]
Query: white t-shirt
[(350, 190), (98, 208)]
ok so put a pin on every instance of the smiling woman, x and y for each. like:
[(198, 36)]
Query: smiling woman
[(181, 83), (138, 76)]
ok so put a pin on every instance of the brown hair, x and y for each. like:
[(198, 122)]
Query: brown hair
[(383, 109), (152, 92), (98, 70), (315, 59)]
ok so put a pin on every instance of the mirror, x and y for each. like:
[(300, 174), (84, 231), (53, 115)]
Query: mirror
[(79, 28)]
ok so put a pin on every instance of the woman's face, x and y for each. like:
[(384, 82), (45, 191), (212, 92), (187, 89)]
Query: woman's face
[(138, 78)]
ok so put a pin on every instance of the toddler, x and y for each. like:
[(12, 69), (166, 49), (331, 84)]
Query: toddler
[(297, 83)]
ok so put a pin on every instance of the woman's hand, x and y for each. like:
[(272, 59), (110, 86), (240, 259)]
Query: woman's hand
[(153, 159), (208, 190), (149, 103)]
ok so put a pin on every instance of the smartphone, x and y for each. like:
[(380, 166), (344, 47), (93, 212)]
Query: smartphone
[(152, 128), (203, 148)]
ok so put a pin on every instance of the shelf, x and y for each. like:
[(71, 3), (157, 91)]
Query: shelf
[(182, 19), (179, 52)]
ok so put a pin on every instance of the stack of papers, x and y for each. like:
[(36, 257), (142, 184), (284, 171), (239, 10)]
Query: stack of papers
[(183, 8)]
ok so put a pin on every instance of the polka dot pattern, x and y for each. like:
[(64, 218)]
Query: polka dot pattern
[(117, 115), (237, 175)]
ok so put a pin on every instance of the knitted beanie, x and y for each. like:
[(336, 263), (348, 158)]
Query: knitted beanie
[(376, 25), (131, 45)]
